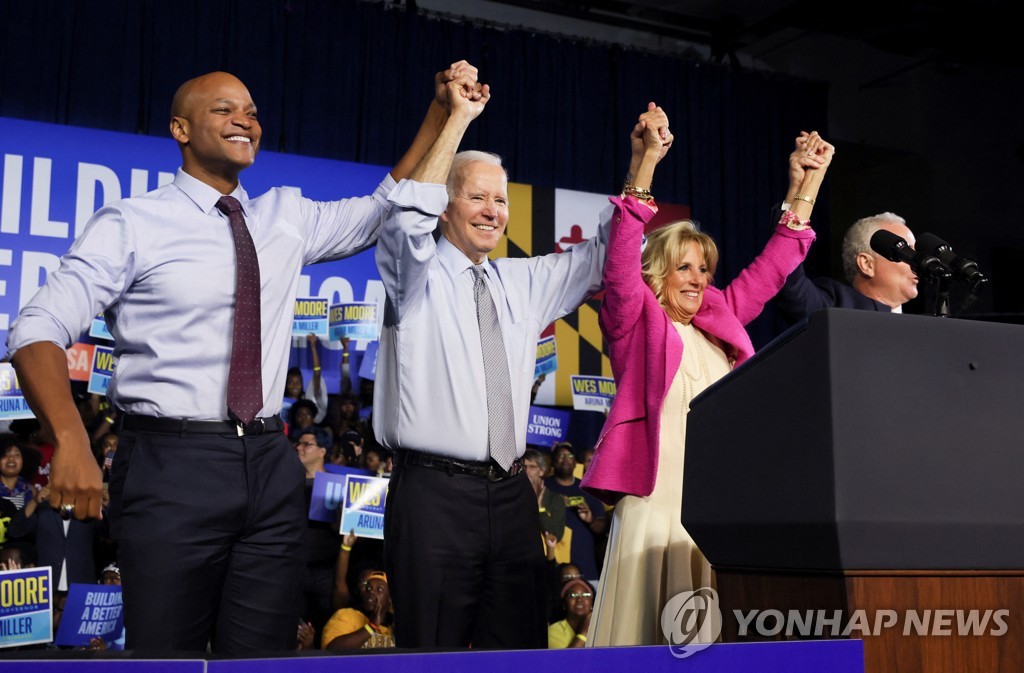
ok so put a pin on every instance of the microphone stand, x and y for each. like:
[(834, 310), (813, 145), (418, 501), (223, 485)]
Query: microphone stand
[(973, 292), (942, 297)]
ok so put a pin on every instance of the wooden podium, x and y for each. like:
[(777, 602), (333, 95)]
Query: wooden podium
[(871, 464)]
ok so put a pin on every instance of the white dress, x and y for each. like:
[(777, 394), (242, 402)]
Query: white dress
[(650, 556)]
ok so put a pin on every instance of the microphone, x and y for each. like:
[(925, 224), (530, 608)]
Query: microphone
[(895, 249), (964, 268)]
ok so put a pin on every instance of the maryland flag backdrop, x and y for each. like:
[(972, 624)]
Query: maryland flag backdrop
[(541, 221)]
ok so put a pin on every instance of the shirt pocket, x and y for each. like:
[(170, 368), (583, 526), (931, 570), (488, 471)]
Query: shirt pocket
[(521, 343)]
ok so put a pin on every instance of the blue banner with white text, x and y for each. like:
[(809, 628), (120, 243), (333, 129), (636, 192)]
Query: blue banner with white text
[(54, 177), (546, 426), (92, 611)]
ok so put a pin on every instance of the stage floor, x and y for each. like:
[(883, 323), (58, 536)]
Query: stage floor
[(834, 656)]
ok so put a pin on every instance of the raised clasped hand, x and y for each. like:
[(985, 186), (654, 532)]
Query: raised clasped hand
[(465, 76), (816, 151), (652, 132), (466, 102), (810, 152)]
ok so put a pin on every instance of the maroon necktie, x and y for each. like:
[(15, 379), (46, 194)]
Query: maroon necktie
[(245, 379)]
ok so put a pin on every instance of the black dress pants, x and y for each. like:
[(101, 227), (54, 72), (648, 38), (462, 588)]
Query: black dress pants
[(209, 531), (465, 561)]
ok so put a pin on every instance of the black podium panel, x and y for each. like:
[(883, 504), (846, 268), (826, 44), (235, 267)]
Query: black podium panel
[(861, 440)]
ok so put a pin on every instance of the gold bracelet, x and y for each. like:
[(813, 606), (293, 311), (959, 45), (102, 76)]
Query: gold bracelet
[(581, 637), (801, 197), (639, 193), (345, 547)]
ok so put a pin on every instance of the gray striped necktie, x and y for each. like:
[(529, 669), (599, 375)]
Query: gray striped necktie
[(501, 435)]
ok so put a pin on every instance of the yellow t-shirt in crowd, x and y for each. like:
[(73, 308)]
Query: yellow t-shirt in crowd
[(350, 620), (560, 635)]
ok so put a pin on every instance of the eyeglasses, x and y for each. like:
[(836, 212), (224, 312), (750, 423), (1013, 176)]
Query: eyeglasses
[(566, 578), (585, 594)]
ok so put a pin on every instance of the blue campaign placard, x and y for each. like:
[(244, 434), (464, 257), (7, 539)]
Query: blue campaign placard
[(102, 369), (592, 393), (91, 611), (368, 366), (356, 320), (329, 491), (363, 511), (547, 357), (310, 317), (286, 406), (546, 425), (12, 400), (26, 607), (99, 328)]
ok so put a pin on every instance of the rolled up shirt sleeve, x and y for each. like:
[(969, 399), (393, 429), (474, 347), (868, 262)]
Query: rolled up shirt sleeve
[(406, 246), (92, 276)]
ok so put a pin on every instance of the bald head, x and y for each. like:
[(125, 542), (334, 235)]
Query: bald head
[(192, 90), (213, 119)]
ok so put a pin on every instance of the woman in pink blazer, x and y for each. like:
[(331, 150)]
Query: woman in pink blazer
[(670, 335)]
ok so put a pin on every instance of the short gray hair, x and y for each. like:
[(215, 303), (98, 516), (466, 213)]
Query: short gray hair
[(858, 239), (462, 160), (542, 459)]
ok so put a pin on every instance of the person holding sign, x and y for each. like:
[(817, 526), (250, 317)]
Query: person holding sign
[(456, 365), (198, 283), (670, 335), (315, 390)]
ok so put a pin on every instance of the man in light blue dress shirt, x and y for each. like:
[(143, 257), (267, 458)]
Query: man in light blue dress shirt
[(208, 513), (462, 540)]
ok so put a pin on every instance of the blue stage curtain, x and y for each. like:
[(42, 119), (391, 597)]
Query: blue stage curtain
[(350, 80)]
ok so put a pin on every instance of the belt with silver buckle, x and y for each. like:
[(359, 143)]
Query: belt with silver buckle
[(177, 426), (488, 470)]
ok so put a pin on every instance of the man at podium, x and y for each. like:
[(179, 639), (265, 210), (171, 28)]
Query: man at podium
[(875, 283)]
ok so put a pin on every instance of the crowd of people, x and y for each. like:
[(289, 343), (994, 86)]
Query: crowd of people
[(33, 534), (345, 599), (488, 543)]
